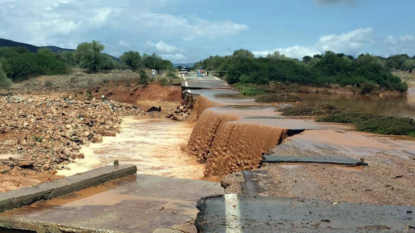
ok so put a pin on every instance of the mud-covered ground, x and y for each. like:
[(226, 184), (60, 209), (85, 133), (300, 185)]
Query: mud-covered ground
[(43, 127), (389, 178)]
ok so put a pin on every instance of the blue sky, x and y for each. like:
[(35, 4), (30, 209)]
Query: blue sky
[(190, 30)]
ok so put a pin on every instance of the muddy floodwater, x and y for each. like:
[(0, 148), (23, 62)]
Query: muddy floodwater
[(154, 144), (400, 105)]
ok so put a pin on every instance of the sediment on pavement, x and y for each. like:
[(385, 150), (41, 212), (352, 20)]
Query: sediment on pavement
[(226, 143), (46, 191)]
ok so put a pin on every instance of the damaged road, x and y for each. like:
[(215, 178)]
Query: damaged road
[(243, 213)]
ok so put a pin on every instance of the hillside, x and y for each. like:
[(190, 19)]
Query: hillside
[(32, 48)]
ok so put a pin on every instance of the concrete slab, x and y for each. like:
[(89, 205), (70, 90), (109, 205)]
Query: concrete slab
[(46, 191), (242, 213), (311, 159), (137, 203)]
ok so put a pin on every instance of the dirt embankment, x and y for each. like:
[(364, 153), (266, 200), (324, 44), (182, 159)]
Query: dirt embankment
[(226, 144), (39, 135)]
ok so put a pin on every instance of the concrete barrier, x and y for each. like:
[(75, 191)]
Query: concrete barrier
[(26, 196)]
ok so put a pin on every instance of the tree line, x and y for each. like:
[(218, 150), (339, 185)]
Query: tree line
[(18, 63), (366, 71)]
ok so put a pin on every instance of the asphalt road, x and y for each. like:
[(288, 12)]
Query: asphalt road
[(192, 81)]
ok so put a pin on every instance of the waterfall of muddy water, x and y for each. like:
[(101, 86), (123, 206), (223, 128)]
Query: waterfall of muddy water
[(153, 143), (227, 143)]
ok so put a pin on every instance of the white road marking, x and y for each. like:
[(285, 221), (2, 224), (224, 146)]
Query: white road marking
[(217, 78), (233, 213)]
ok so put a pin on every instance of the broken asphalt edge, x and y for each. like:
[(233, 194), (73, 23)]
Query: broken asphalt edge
[(46, 227), (46, 191)]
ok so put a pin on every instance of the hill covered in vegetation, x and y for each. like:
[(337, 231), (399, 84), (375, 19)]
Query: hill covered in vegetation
[(366, 71), (19, 63)]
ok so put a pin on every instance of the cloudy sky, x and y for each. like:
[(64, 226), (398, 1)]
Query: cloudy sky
[(190, 30)]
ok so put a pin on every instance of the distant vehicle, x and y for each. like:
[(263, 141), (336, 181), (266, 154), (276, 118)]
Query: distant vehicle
[(184, 71), (200, 71)]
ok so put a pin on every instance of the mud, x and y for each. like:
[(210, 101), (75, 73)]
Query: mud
[(392, 105), (156, 145), (227, 143)]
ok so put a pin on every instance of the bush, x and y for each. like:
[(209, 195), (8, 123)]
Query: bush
[(48, 84), (310, 110), (132, 60), (143, 77), (27, 65), (369, 88), (5, 83), (164, 82), (277, 97), (321, 71), (366, 122)]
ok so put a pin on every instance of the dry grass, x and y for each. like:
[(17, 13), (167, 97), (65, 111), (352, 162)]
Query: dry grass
[(406, 77)]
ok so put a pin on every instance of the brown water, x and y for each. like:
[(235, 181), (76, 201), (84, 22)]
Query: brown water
[(403, 105), (154, 144)]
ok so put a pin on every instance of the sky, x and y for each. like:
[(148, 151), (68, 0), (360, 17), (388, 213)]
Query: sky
[(185, 31)]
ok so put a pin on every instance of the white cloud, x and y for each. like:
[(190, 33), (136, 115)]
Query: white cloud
[(175, 57), (70, 22), (162, 47), (293, 52), (353, 42), (350, 42), (124, 44)]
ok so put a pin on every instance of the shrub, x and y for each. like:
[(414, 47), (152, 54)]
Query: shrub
[(27, 65), (369, 88), (143, 77), (48, 84), (5, 83), (277, 97), (310, 110)]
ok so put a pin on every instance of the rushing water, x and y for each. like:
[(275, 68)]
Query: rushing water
[(403, 105), (153, 143)]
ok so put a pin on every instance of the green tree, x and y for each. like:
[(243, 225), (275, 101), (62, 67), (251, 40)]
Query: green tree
[(89, 57), (46, 52), (67, 58), (5, 83), (132, 60), (277, 56), (243, 53), (409, 64)]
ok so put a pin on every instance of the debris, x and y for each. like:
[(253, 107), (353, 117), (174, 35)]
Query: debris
[(47, 132)]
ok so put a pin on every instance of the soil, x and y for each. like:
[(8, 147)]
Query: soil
[(118, 89)]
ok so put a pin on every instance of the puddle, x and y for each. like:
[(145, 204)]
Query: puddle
[(402, 105), (151, 142), (137, 203)]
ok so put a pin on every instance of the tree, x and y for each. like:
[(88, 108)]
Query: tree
[(88, 55), (5, 83), (409, 65), (307, 59), (242, 53), (67, 57), (132, 60), (46, 52), (276, 55)]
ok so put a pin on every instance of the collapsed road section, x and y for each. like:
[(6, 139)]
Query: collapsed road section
[(278, 174)]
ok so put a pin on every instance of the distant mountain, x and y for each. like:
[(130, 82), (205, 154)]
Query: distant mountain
[(33, 49), (187, 65)]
